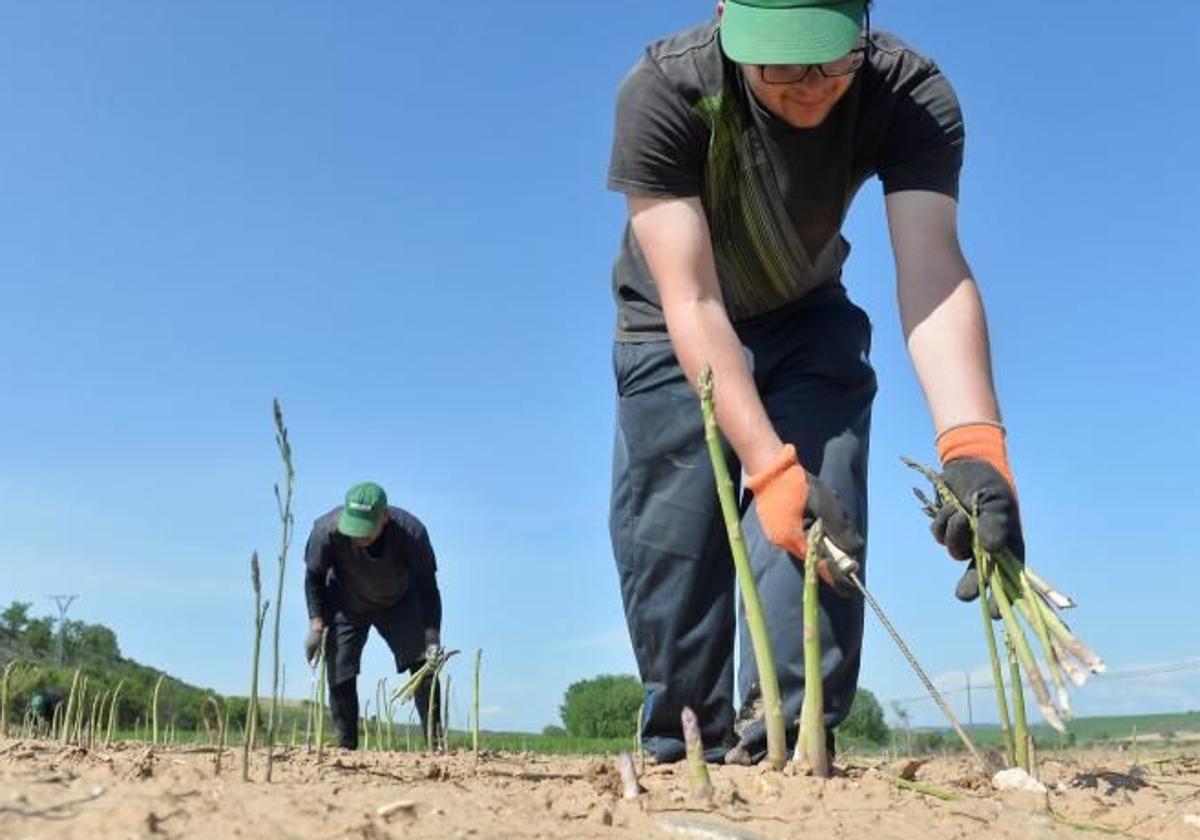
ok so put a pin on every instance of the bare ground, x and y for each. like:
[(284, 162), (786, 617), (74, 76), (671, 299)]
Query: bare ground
[(135, 791)]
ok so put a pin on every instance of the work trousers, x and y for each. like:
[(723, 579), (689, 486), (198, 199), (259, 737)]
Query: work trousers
[(343, 656), (810, 363)]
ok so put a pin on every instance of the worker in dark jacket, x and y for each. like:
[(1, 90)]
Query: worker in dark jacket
[(371, 565)]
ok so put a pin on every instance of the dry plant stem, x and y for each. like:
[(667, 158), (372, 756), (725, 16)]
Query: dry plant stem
[(763, 657), (68, 715), (284, 504), (320, 704), (250, 729), (629, 780), (475, 716), (80, 708), (56, 722), (812, 712), (928, 790), (112, 714), (1021, 732), (698, 778)]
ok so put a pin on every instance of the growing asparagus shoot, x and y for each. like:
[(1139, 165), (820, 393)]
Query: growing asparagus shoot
[(764, 658), (283, 503), (811, 741), (698, 778)]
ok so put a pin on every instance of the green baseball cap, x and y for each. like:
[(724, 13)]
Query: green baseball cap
[(790, 31), (366, 504)]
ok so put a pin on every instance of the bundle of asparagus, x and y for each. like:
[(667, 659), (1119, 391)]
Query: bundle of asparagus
[(1014, 589)]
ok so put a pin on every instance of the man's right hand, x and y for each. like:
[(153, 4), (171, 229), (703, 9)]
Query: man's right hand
[(312, 642), (789, 499)]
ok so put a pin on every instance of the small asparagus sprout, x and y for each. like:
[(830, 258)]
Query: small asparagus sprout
[(701, 784), (446, 715), (283, 502), (8, 671), (764, 659), (69, 714), (1021, 732), (630, 789), (475, 716), (320, 704), (112, 714), (220, 740), (250, 728), (812, 712), (94, 721), (637, 736), (154, 708)]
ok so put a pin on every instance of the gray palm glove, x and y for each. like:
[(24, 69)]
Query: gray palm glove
[(433, 644), (312, 644)]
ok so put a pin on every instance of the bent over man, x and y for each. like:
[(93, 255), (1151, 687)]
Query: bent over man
[(371, 565), (739, 145)]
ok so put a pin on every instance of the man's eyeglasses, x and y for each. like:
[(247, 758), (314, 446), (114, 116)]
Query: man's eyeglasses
[(790, 74)]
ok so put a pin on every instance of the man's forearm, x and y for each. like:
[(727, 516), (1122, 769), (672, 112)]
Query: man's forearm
[(949, 349), (702, 335), (315, 597)]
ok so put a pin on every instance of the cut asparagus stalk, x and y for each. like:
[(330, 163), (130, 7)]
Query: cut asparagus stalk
[(698, 778)]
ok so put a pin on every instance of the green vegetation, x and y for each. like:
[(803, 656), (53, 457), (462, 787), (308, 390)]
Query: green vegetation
[(603, 707), (865, 721), (93, 650)]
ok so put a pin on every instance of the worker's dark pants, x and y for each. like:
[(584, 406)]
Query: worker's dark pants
[(401, 628), (676, 574)]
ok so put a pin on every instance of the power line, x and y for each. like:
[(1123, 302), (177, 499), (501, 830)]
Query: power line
[(1124, 674), (64, 604)]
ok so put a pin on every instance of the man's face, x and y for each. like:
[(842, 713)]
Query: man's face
[(363, 542), (803, 104)]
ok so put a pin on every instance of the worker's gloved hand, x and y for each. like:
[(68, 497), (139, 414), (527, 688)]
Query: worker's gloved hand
[(312, 645), (433, 644), (789, 499), (975, 468)]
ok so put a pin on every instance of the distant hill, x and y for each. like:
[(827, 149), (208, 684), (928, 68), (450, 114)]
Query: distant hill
[(93, 650)]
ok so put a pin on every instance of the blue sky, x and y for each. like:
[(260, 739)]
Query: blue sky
[(393, 218)]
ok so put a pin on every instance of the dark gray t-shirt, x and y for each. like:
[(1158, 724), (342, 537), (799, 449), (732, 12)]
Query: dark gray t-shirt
[(774, 196)]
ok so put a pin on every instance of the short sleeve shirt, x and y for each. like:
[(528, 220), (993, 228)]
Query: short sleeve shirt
[(774, 196)]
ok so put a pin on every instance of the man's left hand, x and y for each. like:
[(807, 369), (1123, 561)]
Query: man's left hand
[(433, 645), (976, 470)]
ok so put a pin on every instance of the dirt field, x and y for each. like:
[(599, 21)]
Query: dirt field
[(133, 791)]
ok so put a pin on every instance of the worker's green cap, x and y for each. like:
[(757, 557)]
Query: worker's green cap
[(366, 504), (790, 31)]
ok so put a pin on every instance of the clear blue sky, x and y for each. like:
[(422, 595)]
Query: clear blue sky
[(393, 217)]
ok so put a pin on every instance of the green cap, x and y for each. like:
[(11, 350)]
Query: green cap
[(790, 31), (366, 504)]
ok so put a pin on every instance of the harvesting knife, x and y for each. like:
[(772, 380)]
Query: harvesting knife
[(847, 566)]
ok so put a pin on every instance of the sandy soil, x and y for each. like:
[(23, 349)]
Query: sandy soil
[(134, 791)]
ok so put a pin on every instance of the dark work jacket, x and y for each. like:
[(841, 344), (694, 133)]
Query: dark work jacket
[(340, 575)]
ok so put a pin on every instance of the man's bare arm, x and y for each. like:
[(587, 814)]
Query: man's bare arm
[(674, 237), (941, 310)]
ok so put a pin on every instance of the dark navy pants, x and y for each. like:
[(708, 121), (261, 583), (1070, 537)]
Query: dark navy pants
[(401, 627), (810, 363)]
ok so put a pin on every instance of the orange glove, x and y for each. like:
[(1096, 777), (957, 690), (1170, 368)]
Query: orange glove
[(789, 499)]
